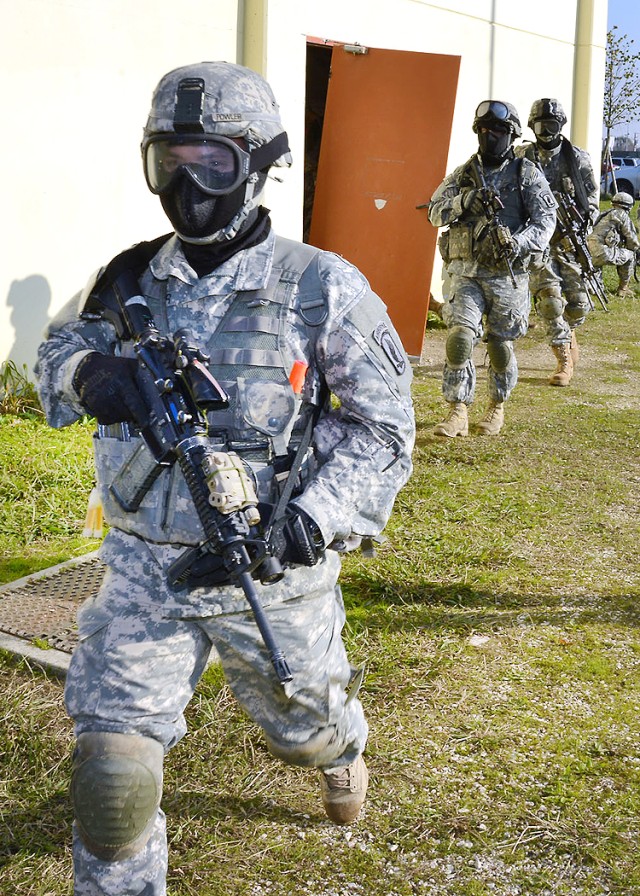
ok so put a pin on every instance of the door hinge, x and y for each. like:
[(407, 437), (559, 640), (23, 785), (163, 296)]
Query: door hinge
[(356, 49)]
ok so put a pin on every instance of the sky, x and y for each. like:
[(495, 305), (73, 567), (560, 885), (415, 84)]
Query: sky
[(626, 15)]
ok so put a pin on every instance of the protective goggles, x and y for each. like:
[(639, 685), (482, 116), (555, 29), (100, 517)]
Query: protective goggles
[(493, 109), (547, 127), (216, 165)]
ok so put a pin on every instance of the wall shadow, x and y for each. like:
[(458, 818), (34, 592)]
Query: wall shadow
[(29, 300)]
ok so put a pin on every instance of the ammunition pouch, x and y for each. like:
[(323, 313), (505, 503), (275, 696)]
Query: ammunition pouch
[(443, 246), (460, 242)]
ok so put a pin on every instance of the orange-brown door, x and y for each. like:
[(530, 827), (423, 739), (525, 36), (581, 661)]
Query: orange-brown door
[(384, 150)]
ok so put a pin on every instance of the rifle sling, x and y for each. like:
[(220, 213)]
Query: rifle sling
[(287, 489), (574, 172)]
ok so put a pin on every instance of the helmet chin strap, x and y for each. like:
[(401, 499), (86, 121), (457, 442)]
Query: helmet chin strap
[(229, 231)]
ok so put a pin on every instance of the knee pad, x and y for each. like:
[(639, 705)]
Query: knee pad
[(500, 353), (549, 304), (116, 788), (459, 346), (576, 312)]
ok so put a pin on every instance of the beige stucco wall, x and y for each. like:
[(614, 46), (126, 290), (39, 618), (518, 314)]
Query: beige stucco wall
[(77, 77), (506, 52)]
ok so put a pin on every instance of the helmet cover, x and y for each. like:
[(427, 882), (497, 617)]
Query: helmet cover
[(497, 112), (624, 200), (547, 108), (234, 102)]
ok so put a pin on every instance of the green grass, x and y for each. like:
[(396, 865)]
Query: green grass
[(45, 479), (500, 629)]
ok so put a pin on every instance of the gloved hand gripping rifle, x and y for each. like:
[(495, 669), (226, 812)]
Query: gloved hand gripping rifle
[(178, 390), (572, 228), (497, 232)]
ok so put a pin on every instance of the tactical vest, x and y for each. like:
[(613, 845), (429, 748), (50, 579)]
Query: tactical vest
[(253, 350), (461, 240), (514, 213)]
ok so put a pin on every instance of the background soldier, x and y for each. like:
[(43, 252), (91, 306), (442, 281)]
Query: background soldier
[(498, 211), (557, 278), (614, 240), (261, 307)]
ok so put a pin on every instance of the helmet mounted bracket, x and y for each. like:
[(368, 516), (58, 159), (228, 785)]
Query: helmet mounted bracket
[(187, 117)]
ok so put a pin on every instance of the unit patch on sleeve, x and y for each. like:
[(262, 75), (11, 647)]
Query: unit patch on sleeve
[(389, 346)]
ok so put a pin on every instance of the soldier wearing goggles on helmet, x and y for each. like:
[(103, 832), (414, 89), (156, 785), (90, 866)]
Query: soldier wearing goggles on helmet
[(284, 327), (215, 164), (497, 211), (557, 286)]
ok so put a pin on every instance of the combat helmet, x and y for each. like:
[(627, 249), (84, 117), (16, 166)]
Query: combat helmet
[(547, 108), (223, 99), (212, 134), (496, 111), (624, 200)]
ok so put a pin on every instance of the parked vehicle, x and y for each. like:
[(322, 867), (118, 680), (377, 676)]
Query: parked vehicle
[(625, 161), (627, 177)]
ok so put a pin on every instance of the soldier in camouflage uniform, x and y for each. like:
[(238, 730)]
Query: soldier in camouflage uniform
[(488, 265), (256, 303), (614, 240), (557, 285)]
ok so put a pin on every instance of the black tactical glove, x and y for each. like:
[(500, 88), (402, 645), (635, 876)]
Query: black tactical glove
[(108, 389), (296, 539), (472, 201)]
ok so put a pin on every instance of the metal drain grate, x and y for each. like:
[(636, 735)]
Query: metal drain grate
[(44, 605)]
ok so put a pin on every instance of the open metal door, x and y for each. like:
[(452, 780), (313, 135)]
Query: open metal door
[(385, 141)]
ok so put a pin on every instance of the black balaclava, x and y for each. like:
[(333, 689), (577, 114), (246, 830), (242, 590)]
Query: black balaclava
[(207, 257), (494, 144), (195, 213)]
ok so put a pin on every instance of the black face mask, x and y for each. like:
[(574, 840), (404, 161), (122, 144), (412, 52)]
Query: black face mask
[(494, 145), (549, 141), (194, 213)]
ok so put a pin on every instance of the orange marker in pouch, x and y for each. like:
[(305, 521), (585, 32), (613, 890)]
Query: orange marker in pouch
[(297, 375)]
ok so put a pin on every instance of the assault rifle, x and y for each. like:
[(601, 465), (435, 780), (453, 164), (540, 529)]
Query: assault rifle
[(497, 232), (178, 390), (572, 228)]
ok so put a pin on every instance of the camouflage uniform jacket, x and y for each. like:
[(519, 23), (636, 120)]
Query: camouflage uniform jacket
[(529, 212), (554, 167), (614, 229), (255, 314)]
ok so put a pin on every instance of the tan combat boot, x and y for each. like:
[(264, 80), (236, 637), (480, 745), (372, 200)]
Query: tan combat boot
[(344, 791), (623, 288), (564, 370), (456, 422), (493, 420), (574, 348)]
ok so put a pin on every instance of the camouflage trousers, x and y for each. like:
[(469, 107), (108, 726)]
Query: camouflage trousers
[(141, 654), (621, 258), (561, 271), (492, 306)]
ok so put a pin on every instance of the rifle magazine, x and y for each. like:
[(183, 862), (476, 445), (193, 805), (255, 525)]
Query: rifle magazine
[(135, 477)]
